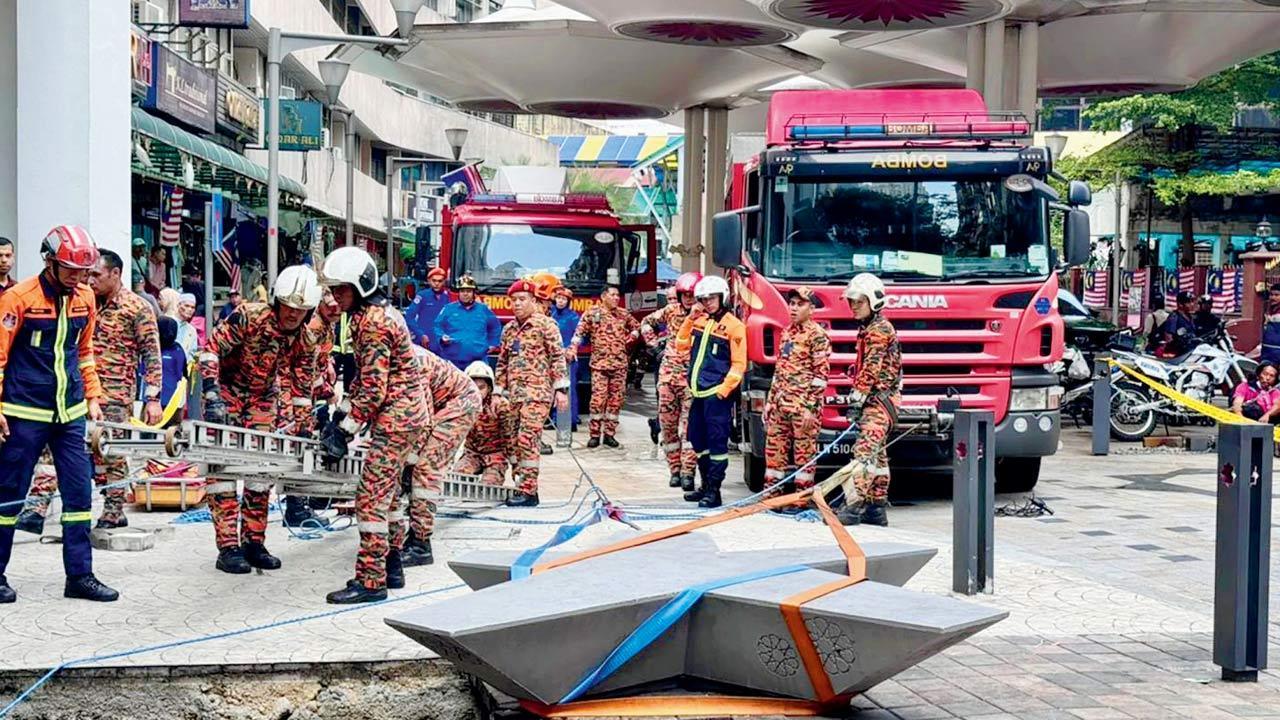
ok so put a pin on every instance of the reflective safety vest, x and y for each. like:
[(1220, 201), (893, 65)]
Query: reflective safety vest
[(343, 346), (1271, 339), (718, 353)]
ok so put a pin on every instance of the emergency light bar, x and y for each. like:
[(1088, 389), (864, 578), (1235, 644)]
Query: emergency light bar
[(571, 201), (932, 126)]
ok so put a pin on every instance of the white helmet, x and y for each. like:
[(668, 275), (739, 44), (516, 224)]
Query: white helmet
[(298, 287), (351, 266), (480, 369), (712, 285), (868, 286)]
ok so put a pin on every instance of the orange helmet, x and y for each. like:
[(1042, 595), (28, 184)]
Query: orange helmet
[(545, 284), (562, 290)]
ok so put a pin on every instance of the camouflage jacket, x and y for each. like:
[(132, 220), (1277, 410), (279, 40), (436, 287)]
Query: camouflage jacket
[(609, 331), (388, 393), (445, 383), (124, 339), (672, 316), (315, 381), (803, 364), (879, 362), (531, 360), (250, 354), (495, 428)]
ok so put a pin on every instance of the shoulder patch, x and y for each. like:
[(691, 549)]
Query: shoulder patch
[(9, 321)]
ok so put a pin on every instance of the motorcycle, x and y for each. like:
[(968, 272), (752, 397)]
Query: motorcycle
[(1076, 375)]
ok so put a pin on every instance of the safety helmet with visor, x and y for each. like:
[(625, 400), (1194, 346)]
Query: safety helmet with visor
[(866, 285), (352, 266)]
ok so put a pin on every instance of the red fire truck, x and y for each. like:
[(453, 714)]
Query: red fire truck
[(948, 204)]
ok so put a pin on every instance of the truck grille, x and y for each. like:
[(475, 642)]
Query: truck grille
[(940, 390), (912, 348), (930, 324)]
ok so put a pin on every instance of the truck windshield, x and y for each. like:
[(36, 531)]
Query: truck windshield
[(912, 230), (496, 255)]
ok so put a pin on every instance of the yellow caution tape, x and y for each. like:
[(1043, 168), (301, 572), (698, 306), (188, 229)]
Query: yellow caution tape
[(1222, 415), (176, 402)]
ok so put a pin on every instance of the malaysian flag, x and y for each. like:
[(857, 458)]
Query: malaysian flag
[(1095, 288), (1170, 289), (1187, 280), (1135, 282), (227, 259), (171, 227), (1224, 289)]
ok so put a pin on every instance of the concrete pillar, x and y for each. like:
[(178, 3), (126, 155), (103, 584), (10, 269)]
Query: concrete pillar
[(717, 172), (973, 58), (65, 157), (993, 63), (691, 198), (1028, 68), (1010, 85)]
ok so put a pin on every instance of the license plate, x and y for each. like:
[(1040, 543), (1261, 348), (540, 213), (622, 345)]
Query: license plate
[(838, 399), (842, 449)]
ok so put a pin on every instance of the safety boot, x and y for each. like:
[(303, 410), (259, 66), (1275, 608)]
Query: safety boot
[(30, 521), (676, 480), (88, 587), (417, 552), (711, 495), (298, 514), (231, 560), (687, 482), (545, 449), (7, 595), (355, 593), (523, 500), (105, 523), (850, 514), (873, 513), (257, 555), (594, 442), (395, 570), (611, 441)]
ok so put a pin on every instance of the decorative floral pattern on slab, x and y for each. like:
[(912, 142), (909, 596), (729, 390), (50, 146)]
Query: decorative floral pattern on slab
[(598, 110), (886, 14), (703, 32)]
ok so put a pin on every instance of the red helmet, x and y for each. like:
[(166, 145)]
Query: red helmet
[(70, 246), (687, 282)]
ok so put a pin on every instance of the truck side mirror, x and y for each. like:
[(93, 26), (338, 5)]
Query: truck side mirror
[(1079, 194), (1075, 237), (726, 239)]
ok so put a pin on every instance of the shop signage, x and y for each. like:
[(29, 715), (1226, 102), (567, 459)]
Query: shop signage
[(239, 110), (181, 90), (142, 67), (301, 125), (214, 13)]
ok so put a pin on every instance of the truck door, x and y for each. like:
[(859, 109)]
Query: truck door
[(639, 256)]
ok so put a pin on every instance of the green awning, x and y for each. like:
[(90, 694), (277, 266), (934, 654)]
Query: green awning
[(227, 169)]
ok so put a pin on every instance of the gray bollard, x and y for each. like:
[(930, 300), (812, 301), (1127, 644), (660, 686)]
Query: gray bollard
[(1242, 565), (1101, 427), (973, 502)]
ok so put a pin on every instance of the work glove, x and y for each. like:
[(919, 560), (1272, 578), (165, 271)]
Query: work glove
[(215, 409), (334, 440), (854, 413), (406, 480)]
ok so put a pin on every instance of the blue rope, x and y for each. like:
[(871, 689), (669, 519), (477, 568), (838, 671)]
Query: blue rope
[(21, 698)]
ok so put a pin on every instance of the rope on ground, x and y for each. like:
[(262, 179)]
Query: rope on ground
[(1032, 507), (25, 694)]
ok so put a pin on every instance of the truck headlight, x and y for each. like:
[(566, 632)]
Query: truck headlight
[(1041, 398)]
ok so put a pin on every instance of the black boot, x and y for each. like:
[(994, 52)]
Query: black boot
[(88, 587), (30, 521), (257, 555), (594, 442), (850, 514), (231, 560), (105, 524), (298, 514), (544, 448), (395, 570), (695, 495), (611, 441), (523, 500), (676, 480), (417, 552), (7, 595), (874, 514), (711, 496), (687, 482), (355, 593)]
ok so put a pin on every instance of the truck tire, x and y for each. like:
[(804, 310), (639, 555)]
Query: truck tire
[(1017, 474), (753, 472)]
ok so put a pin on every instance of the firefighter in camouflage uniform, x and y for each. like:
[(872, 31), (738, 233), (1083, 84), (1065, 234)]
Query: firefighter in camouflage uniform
[(674, 397), (489, 445), (125, 339), (390, 401), (875, 397), (609, 328), (261, 357), (792, 412), (531, 374), (455, 404)]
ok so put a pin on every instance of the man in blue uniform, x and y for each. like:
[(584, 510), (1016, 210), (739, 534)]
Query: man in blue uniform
[(1178, 333), (466, 330), (427, 304), (567, 320)]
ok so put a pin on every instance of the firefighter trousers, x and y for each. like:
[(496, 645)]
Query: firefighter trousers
[(869, 480), (491, 468), (607, 387), (790, 441), (448, 431), (674, 399), (709, 422), (27, 439), (532, 414), (377, 496), (107, 470)]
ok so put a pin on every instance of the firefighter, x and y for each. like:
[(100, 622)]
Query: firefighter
[(567, 320), (673, 381), (545, 286), (421, 315), (466, 330), (261, 355), (717, 341), (792, 412), (489, 444), (126, 338), (48, 385), (875, 397), (455, 403), (609, 328), (388, 400), (531, 374)]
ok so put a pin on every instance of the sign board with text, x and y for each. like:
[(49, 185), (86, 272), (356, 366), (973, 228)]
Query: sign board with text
[(239, 110), (181, 90), (301, 125), (214, 13), (141, 64)]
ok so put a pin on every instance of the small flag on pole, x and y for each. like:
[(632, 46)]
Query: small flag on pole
[(1095, 288)]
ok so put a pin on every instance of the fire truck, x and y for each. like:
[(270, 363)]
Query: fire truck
[(948, 204), (501, 236)]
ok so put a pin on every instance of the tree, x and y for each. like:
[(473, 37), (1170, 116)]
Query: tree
[(1174, 167)]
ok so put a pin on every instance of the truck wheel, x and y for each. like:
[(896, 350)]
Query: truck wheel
[(1017, 474), (753, 472)]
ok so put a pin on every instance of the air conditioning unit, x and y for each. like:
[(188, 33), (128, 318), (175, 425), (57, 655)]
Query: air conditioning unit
[(288, 93), (151, 12)]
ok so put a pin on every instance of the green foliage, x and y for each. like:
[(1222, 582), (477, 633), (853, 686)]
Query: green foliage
[(620, 198), (1173, 190)]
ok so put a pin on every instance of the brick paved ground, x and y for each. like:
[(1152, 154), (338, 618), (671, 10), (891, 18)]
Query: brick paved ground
[(1110, 599)]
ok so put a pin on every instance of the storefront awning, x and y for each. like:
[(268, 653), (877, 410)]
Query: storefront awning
[(215, 166), (611, 150)]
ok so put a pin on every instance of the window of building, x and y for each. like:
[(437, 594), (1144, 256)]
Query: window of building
[(378, 162), (1064, 114)]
